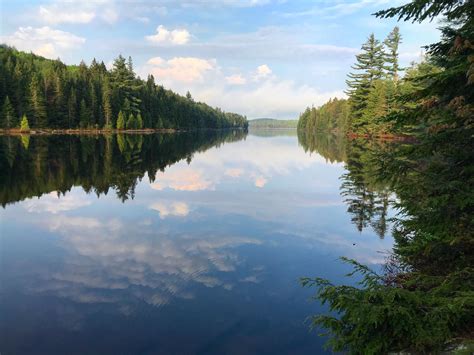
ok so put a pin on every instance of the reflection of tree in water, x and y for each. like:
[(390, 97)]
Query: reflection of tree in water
[(367, 198), (96, 163)]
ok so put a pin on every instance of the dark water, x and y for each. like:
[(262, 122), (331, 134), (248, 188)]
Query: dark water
[(174, 244)]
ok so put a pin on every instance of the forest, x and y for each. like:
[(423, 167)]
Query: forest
[(422, 300), (36, 92)]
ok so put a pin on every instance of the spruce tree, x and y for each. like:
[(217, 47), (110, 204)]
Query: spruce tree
[(24, 126), (106, 103), (8, 119), (139, 121), (84, 115), (131, 124), (72, 109), (392, 43), (369, 67), (121, 121), (37, 104)]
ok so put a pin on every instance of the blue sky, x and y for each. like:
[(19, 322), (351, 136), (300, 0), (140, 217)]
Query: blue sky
[(261, 58)]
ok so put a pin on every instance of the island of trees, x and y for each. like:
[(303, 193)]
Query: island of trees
[(36, 92), (422, 301)]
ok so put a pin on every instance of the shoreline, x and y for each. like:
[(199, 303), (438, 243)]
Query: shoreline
[(93, 131)]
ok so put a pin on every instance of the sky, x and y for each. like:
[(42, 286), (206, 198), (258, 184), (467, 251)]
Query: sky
[(260, 58)]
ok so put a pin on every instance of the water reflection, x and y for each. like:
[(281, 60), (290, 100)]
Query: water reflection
[(367, 198), (203, 257)]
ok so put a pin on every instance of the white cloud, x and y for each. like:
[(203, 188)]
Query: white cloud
[(270, 98), (263, 71), (78, 12), (43, 41), (165, 36), (56, 14), (236, 79), (182, 69)]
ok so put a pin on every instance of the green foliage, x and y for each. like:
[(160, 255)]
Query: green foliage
[(24, 126), (333, 116), (8, 117), (121, 120), (60, 96), (131, 122)]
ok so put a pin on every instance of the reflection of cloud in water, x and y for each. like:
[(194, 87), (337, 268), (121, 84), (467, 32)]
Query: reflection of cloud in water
[(54, 204), (184, 179), (260, 181), (256, 160), (179, 209), (105, 257)]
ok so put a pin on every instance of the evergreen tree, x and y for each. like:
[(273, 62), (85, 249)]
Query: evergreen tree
[(84, 115), (131, 124), (8, 118), (72, 109), (37, 104), (121, 120), (106, 103), (369, 67), (392, 43), (139, 121), (24, 125)]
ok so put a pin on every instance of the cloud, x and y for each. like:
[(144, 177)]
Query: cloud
[(234, 172), (43, 41), (236, 79), (263, 71), (53, 203), (260, 181), (186, 179), (270, 98), (178, 209), (78, 12), (56, 14), (165, 36), (181, 69), (342, 8)]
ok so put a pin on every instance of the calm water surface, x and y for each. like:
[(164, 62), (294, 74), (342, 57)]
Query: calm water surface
[(169, 244)]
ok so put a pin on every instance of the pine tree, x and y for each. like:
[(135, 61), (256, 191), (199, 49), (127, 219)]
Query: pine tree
[(8, 118), (369, 67), (72, 109), (392, 43), (131, 122), (24, 125), (84, 115), (121, 121), (139, 121), (37, 104), (106, 103)]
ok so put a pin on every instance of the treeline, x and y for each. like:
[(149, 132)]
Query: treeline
[(423, 300), (272, 123), (333, 116), (31, 166), (41, 93)]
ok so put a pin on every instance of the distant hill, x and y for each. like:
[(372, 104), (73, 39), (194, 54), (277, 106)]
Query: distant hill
[(272, 123)]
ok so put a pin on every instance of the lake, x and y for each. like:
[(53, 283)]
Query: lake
[(187, 243)]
